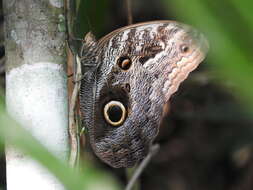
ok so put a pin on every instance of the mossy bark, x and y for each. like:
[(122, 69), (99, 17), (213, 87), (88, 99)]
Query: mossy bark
[(34, 32)]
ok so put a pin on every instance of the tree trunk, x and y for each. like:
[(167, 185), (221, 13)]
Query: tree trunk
[(36, 85)]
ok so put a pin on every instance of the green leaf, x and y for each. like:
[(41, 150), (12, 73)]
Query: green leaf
[(230, 52), (91, 178)]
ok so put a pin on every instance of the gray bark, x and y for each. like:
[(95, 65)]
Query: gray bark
[(36, 88)]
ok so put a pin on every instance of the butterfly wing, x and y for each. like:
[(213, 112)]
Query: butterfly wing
[(138, 68)]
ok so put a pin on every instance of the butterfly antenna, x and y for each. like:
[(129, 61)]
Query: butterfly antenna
[(89, 23), (87, 17), (129, 12)]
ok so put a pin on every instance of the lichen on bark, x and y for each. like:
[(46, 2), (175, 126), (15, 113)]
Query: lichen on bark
[(34, 31)]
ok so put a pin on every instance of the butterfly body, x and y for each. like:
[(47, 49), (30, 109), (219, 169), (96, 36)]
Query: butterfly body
[(136, 70)]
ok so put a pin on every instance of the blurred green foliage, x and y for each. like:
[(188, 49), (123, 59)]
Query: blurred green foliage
[(228, 25), (91, 17), (89, 178)]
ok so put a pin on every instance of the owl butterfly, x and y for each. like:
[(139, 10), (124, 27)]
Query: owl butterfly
[(129, 76)]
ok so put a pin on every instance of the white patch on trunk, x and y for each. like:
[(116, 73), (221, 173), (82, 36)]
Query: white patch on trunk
[(36, 96), (25, 173)]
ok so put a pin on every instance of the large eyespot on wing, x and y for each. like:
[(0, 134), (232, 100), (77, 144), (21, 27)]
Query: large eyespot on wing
[(115, 113), (111, 111)]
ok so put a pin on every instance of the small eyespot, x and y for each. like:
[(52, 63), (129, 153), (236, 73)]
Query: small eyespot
[(124, 63), (127, 87), (115, 113), (184, 48)]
